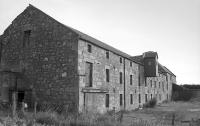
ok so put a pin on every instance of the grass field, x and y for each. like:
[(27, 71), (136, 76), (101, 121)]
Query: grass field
[(166, 114), (182, 112)]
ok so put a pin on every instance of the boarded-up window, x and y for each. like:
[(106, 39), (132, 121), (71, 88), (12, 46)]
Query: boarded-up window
[(107, 54), (121, 100), (145, 81), (89, 48), (146, 97), (131, 79), (120, 77), (139, 98), (107, 75), (88, 73), (26, 38), (120, 59), (107, 100), (131, 98)]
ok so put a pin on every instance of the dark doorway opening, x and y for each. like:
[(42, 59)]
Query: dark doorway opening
[(20, 98)]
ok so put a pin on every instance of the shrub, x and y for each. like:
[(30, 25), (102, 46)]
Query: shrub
[(47, 118), (151, 103), (5, 108)]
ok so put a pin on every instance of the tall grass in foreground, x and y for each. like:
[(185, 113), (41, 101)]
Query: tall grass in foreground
[(50, 117)]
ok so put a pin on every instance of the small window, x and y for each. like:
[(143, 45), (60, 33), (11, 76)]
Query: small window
[(131, 98), (151, 96), (107, 75), (107, 54), (89, 72), (26, 38), (131, 79), (146, 97), (155, 84), (120, 59), (139, 98), (130, 64), (145, 81), (121, 99), (159, 84), (89, 48), (107, 100), (151, 82), (120, 77)]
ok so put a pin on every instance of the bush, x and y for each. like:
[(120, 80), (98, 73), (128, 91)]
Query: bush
[(47, 118), (151, 103)]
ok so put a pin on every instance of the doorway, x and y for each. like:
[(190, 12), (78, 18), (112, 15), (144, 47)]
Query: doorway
[(20, 98)]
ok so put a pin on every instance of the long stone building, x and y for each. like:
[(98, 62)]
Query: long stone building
[(48, 62)]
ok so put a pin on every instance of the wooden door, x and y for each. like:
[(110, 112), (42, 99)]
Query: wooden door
[(88, 73)]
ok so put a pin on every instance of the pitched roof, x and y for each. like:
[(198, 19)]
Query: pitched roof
[(150, 54), (90, 39), (168, 71), (138, 58), (161, 68), (99, 43)]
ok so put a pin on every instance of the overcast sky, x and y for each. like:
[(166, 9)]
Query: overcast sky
[(169, 27)]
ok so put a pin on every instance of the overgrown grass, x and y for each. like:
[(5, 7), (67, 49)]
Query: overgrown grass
[(50, 117), (151, 103)]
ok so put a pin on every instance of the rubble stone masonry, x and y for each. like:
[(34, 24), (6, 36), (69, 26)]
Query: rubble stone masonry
[(47, 60)]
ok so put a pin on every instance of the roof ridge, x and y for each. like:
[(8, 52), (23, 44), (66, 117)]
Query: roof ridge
[(89, 38)]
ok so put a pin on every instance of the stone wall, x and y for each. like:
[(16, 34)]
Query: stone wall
[(53, 66), (159, 87), (140, 85), (49, 61), (100, 63)]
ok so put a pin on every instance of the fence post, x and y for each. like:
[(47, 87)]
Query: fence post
[(173, 119), (14, 104)]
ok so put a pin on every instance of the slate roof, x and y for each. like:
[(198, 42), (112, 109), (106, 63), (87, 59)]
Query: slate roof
[(137, 59), (161, 68), (150, 54), (90, 39)]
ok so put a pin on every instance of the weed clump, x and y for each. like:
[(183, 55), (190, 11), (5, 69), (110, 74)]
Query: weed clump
[(151, 104)]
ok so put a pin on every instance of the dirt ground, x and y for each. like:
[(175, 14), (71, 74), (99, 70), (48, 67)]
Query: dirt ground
[(182, 112)]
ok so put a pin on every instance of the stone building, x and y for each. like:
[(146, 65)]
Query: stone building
[(48, 62)]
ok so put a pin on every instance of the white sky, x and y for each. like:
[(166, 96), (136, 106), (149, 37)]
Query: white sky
[(170, 27)]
